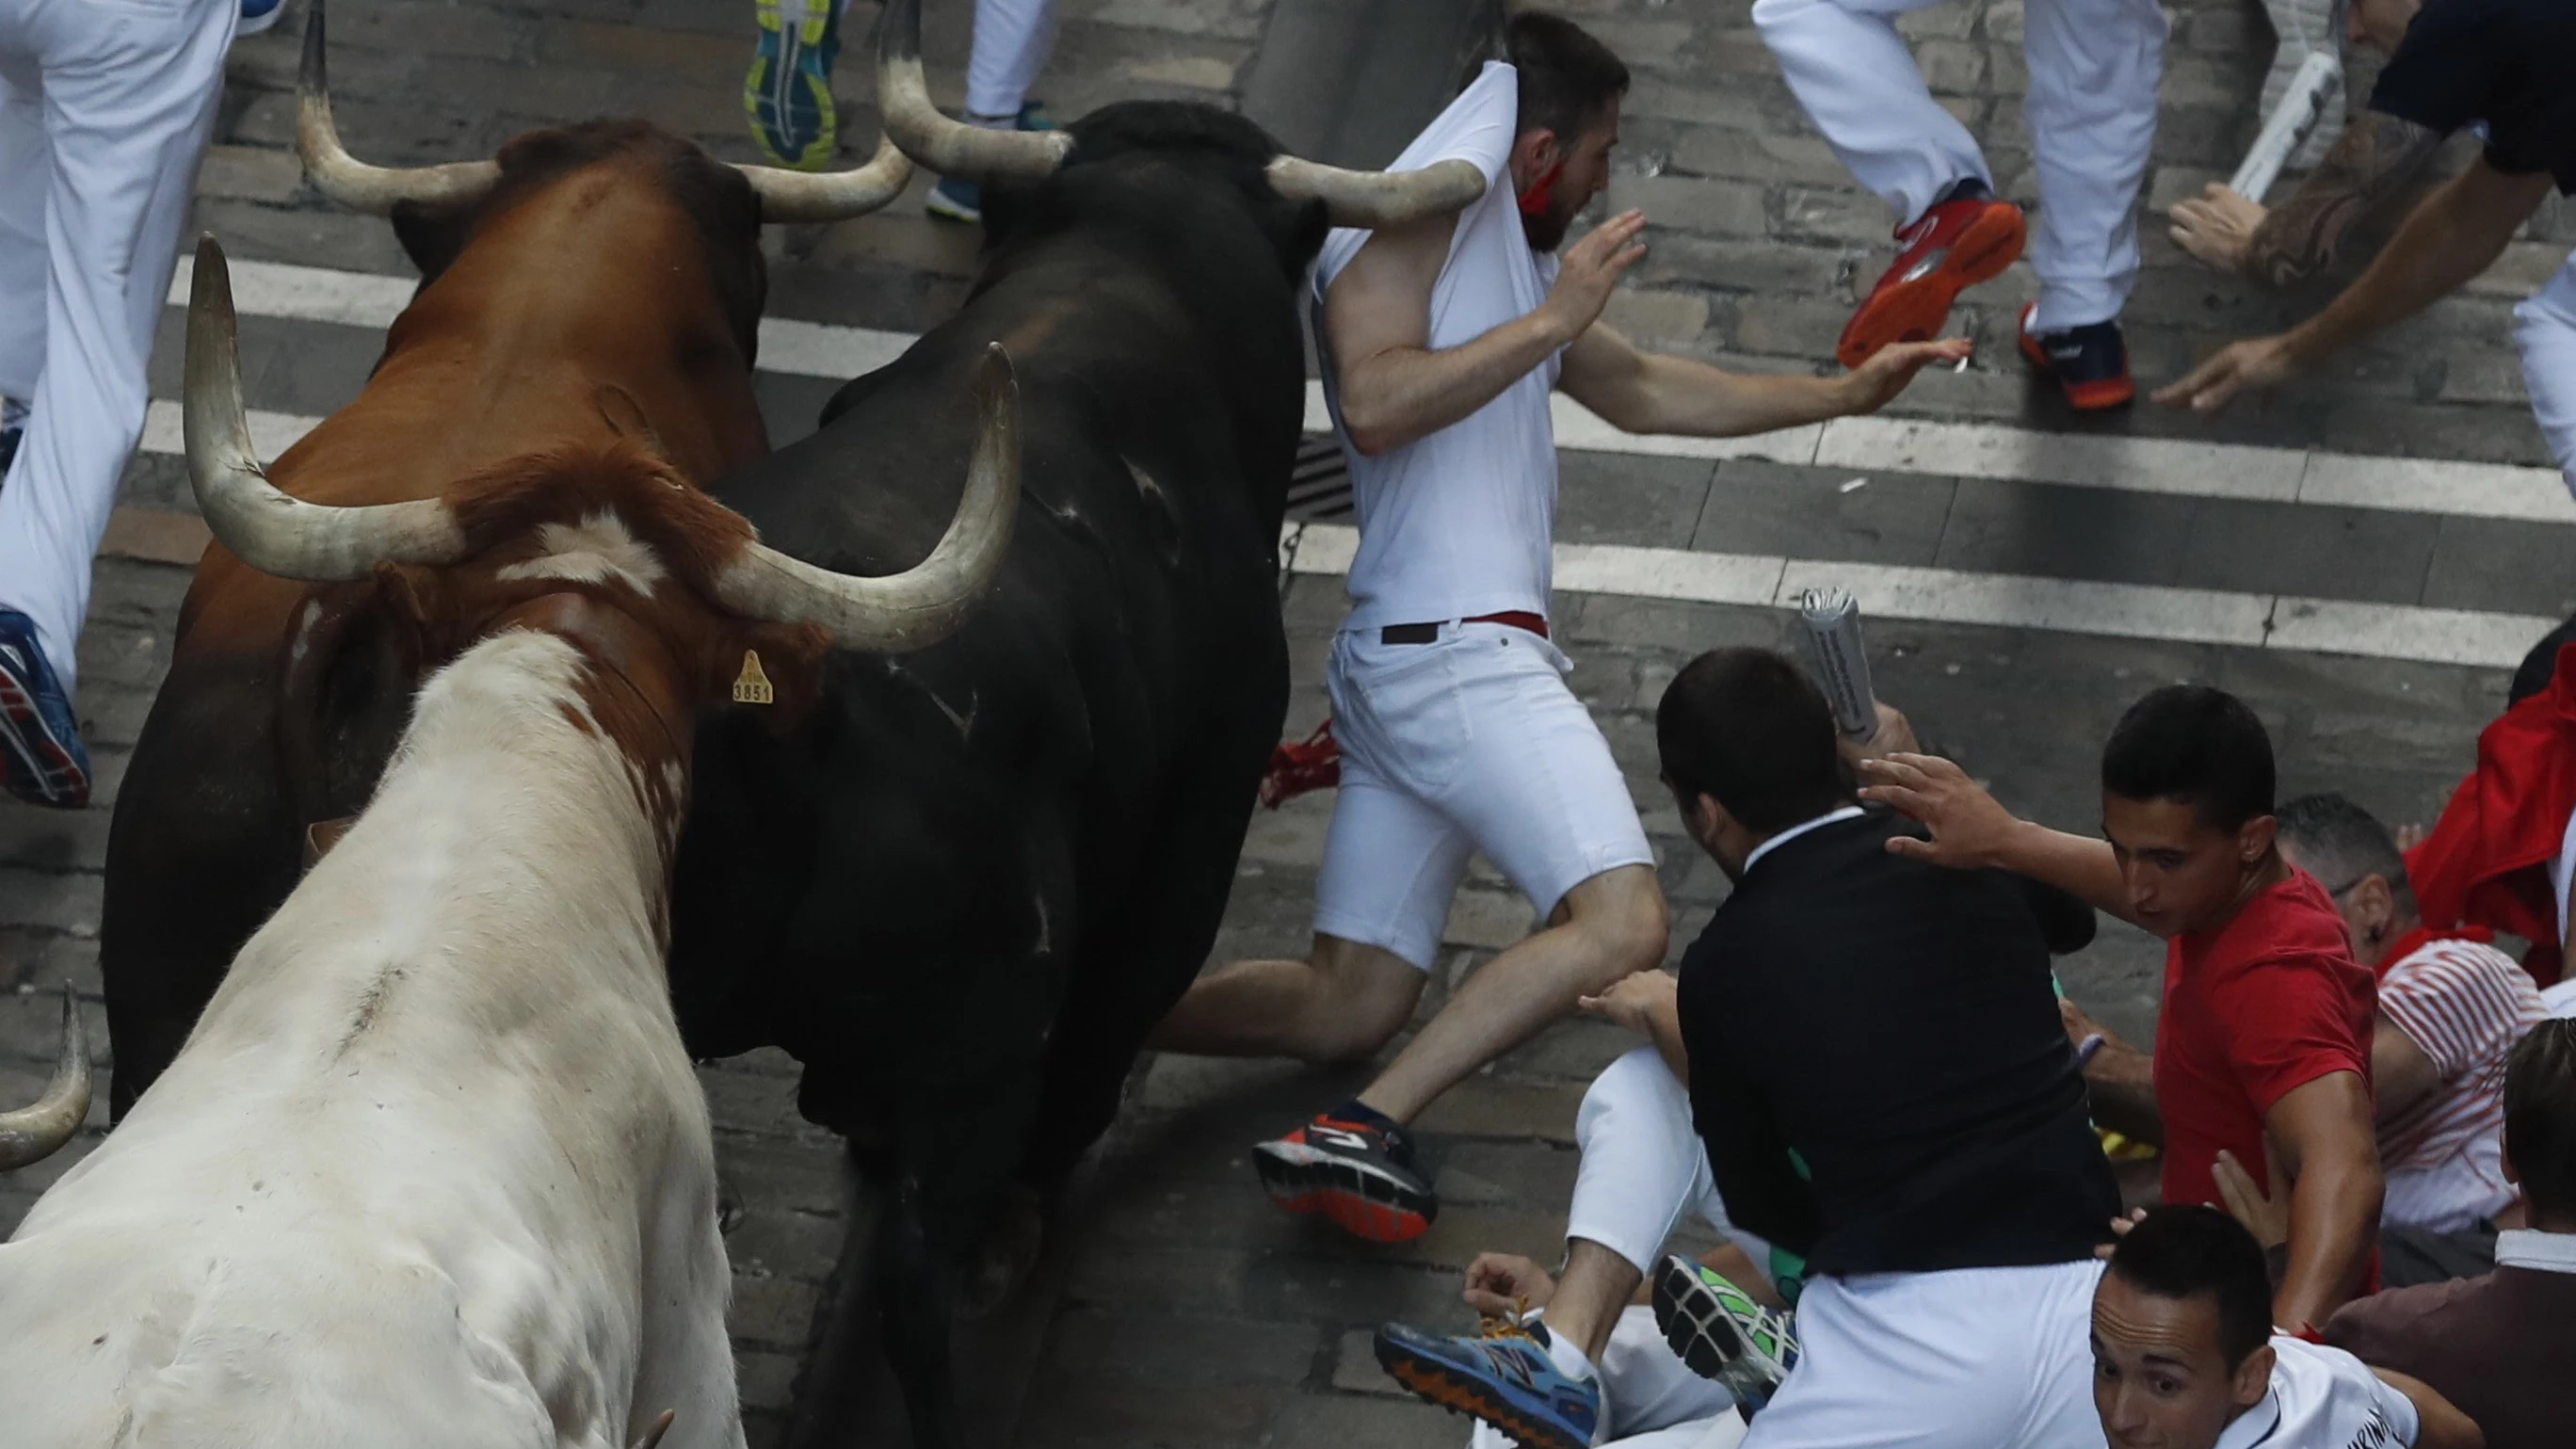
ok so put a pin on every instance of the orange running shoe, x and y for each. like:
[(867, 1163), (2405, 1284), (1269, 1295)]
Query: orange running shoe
[(2090, 362), (1968, 238), (1359, 1176)]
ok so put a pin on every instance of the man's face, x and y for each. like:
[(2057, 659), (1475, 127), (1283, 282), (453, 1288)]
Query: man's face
[(1582, 172), (2379, 24), (2160, 1380), (2183, 873)]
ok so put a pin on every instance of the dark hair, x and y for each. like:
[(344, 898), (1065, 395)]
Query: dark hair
[(1567, 78), (2343, 843), (2540, 1114), (2183, 1252), (1749, 729), (2540, 666), (2194, 744)]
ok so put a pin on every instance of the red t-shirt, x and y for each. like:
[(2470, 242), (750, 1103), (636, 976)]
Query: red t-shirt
[(2267, 1003)]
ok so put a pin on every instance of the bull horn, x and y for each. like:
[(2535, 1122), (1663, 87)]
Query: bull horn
[(927, 602), (352, 182), (32, 1134), (654, 1431), (836, 196), (266, 528), (948, 147), (1375, 199)]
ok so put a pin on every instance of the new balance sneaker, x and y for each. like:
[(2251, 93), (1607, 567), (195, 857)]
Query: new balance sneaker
[(1722, 1333), (957, 199), (41, 757), (2090, 362), (256, 16), (1360, 1177), (788, 90), (1503, 1376), (1967, 237)]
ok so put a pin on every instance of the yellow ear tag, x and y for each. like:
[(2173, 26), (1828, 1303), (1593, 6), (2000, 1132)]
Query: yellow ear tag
[(751, 686)]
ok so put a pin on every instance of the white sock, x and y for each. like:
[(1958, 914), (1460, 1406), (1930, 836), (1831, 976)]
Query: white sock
[(1010, 122), (1570, 1360)]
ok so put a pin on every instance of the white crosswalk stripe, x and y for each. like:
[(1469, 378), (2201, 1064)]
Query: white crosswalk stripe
[(1949, 449)]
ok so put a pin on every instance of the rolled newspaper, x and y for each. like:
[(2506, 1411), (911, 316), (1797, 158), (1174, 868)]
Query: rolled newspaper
[(2301, 107), (1832, 617)]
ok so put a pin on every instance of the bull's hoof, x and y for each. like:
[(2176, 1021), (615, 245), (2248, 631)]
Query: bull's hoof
[(1009, 1250)]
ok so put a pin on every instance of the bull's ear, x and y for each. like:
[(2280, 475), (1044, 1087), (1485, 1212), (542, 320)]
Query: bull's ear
[(772, 671), (423, 613), (432, 235)]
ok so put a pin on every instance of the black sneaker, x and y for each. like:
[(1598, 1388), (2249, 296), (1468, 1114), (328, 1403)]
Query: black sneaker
[(1361, 1177), (2090, 362)]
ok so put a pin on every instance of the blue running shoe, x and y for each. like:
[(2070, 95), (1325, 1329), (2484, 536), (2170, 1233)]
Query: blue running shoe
[(41, 757), (1503, 1376), (256, 16), (788, 91), (957, 199), (1717, 1329)]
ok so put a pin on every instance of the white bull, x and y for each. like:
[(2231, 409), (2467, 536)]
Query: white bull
[(433, 1168)]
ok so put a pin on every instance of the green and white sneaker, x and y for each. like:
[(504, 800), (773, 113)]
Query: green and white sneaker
[(1722, 1334), (788, 91)]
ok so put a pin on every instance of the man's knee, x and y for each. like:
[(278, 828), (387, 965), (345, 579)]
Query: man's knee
[(1621, 912), (1636, 1080), (1366, 996)]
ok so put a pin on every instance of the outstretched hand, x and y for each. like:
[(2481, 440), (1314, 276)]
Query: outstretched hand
[(1590, 269), (1969, 827), (2257, 364), (1891, 369)]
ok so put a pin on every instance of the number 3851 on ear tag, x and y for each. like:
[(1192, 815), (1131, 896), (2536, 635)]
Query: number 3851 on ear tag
[(752, 686)]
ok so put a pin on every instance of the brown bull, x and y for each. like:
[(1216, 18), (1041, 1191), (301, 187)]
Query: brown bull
[(589, 285)]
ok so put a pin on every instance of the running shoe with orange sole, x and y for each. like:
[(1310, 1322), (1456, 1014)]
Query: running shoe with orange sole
[(1967, 239), (2090, 362), (1359, 1177), (1503, 1376)]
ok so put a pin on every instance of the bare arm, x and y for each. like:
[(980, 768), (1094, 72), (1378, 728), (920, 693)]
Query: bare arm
[(2401, 1075), (2376, 157), (1971, 830), (2453, 235), (2441, 1424), (1647, 392), (1392, 387), (2327, 1146), (2120, 1079)]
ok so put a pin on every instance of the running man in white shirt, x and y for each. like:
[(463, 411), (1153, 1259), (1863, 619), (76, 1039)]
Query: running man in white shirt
[(2185, 1356), (1442, 341)]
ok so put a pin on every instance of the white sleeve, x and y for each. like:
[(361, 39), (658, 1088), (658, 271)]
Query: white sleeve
[(2400, 1410), (2561, 871), (1478, 127)]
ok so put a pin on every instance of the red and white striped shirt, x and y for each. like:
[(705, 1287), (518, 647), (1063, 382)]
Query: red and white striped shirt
[(2464, 1004)]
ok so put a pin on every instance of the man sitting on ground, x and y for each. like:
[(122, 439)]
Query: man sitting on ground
[(2185, 1357), (2265, 1024), (2500, 1346), (1881, 1086)]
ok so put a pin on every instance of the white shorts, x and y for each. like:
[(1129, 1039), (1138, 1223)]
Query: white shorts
[(1471, 742), (1972, 1358)]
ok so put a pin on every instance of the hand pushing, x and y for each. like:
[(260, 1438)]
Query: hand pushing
[(1590, 269)]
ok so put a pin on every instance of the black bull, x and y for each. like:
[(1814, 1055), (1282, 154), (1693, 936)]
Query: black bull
[(964, 889)]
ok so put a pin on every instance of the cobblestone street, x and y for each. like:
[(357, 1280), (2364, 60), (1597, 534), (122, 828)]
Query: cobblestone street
[(1178, 1307)]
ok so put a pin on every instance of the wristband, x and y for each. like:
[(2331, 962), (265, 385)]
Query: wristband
[(2086, 1050)]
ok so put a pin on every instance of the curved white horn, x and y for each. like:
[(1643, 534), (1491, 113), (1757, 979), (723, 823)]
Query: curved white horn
[(834, 196), (352, 182), (32, 1134), (948, 147), (1375, 199), (923, 604), (268, 529), (654, 1431)]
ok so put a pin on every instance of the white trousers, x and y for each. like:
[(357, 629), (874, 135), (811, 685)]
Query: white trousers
[(1011, 41), (105, 106), (2094, 68), (1643, 1166), (2544, 324)]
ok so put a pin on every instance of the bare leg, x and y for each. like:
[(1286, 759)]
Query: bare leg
[(1606, 928), (1596, 1284), (1339, 1005)]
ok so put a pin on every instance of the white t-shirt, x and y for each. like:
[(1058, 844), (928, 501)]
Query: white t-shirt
[(1458, 524), (2323, 1398)]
